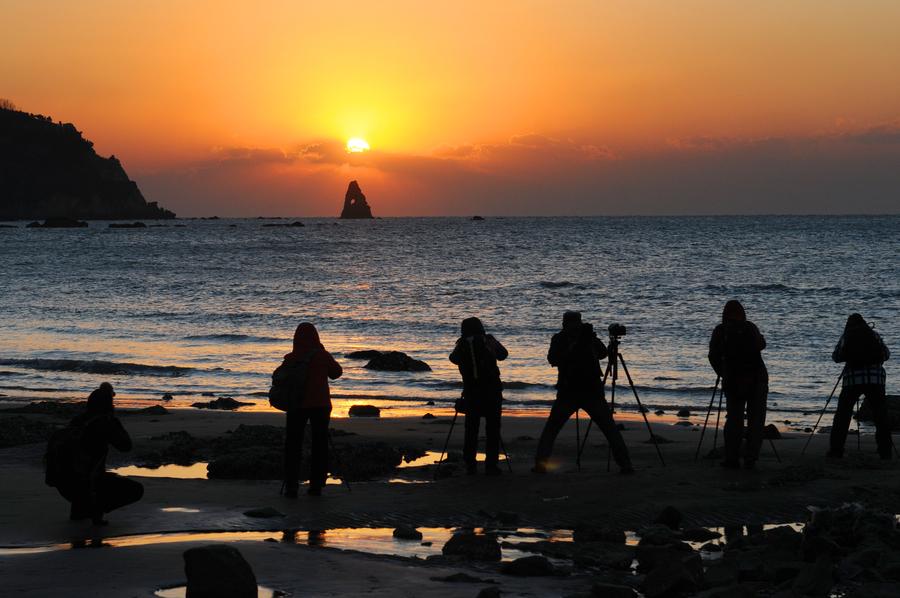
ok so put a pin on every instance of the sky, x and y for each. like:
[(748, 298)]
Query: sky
[(495, 108)]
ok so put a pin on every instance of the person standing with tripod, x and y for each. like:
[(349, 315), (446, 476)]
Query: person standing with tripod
[(477, 353), (576, 353), (735, 354), (864, 353)]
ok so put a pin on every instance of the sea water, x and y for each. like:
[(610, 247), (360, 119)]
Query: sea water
[(209, 306)]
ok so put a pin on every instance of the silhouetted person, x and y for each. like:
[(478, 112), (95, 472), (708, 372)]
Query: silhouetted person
[(576, 353), (735, 354), (91, 489), (864, 352), (314, 405), (477, 353)]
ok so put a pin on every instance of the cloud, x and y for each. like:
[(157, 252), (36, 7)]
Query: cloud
[(838, 172)]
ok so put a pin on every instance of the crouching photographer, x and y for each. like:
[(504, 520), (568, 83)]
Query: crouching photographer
[(576, 353)]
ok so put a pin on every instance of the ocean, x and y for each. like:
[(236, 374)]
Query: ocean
[(209, 306)]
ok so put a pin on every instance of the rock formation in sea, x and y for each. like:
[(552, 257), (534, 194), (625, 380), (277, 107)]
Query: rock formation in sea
[(355, 205), (50, 171)]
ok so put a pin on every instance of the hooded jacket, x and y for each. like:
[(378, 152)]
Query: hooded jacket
[(734, 322), (322, 366), (477, 353)]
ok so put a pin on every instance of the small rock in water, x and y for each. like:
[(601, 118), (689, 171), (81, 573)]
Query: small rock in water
[(407, 532), (683, 413), (430, 404), (364, 411), (659, 412), (472, 546), (770, 432), (264, 513), (167, 397), (428, 416), (218, 571), (153, 410), (529, 566), (207, 394), (477, 218), (222, 403)]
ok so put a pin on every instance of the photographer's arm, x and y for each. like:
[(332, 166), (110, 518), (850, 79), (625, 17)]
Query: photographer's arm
[(500, 352), (715, 351), (838, 354)]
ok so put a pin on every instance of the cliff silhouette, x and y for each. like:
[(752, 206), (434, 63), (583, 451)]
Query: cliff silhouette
[(49, 170), (355, 204)]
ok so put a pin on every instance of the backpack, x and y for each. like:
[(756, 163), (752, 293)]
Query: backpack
[(289, 383), (740, 350), (861, 347), (66, 459)]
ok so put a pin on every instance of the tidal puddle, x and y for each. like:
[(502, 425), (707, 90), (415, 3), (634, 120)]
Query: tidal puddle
[(197, 471), (432, 457), (181, 592), (179, 510), (368, 540)]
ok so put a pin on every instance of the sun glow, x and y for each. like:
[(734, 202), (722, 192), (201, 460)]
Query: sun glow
[(356, 145)]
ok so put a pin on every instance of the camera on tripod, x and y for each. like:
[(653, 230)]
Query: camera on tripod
[(616, 330)]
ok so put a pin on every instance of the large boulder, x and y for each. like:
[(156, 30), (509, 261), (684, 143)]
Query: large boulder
[(364, 411), (396, 361), (474, 547), (218, 571), (529, 566), (682, 572)]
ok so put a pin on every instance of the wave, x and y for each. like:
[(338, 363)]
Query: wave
[(550, 284), (234, 338), (777, 287), (455, 384), (92, 366)]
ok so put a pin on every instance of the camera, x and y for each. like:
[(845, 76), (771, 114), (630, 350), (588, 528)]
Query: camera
[(616, 330)]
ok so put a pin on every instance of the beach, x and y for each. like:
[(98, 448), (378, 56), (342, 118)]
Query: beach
[(34, 516)]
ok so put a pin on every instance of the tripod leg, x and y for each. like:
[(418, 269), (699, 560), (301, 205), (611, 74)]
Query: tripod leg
[(718, 418), (706, 421), (338, 460), (578, 439), (641, 409), (446, 444), (774, 450), (824, 409), (508, 462)]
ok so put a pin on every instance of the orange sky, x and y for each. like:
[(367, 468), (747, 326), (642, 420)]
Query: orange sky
[(224, 107)]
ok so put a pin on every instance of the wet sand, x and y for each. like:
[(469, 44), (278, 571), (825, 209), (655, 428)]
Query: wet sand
[(31, 514)]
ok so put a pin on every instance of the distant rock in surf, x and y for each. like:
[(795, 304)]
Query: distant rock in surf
[(355, 205), (477, 218), (51, 170), (295, 224), (364, 354), (127, 225), (58, 223)]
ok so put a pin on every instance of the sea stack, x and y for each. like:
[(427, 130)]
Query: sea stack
[(355, 205)]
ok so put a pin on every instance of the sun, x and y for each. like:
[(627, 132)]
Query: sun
[(356, 145)]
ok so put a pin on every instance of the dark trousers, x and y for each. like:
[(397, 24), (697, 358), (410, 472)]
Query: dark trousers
[(110, 492), (598, 410), (874, 394), (492, 432), (318, 418), (746, 391)]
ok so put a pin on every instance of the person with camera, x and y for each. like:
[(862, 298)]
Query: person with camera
[(76, 460), (864, 353), (735, 353), (576, 353), (477, 353)]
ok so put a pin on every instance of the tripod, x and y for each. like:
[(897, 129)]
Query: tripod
[(447, 443), (712, 400), (825, 408), (612, 367)]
